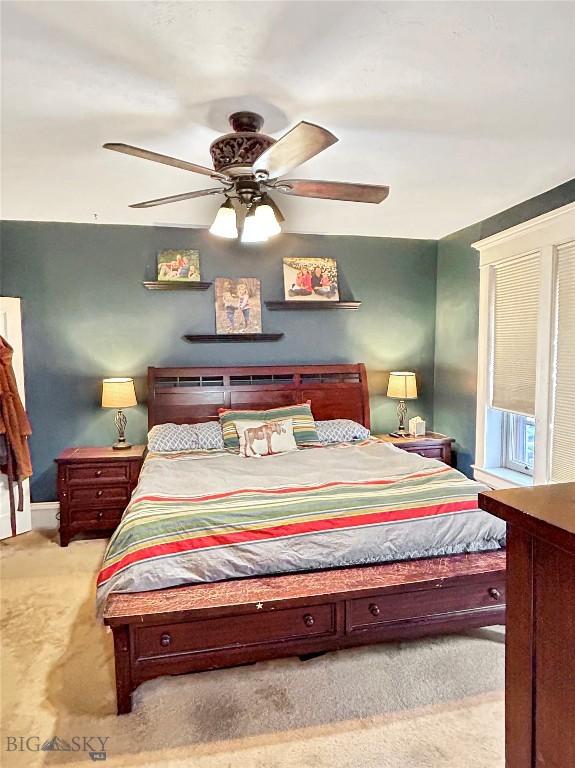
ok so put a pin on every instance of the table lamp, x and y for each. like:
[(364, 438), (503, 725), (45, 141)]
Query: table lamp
[(402, 386), (119, 394)]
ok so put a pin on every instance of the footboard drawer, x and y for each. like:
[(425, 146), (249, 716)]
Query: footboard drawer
[(233, 631), (400, 606)]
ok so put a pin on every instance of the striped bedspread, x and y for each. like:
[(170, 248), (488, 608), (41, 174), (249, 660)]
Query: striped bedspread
[(280, 514)]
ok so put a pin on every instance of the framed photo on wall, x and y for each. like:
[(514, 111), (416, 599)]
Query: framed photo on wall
[(308, 278), (179, 265), (238, 305)]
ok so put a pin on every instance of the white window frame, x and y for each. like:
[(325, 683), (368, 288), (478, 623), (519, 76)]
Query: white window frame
[(507, 437), (542, 234)]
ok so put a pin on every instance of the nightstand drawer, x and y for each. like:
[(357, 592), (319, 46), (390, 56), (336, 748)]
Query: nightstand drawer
[(432, 445), (99, 472), (98, 496), (430, 453), (106, 518)]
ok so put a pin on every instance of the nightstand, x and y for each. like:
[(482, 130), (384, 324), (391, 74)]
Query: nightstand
[(432, 446), (94, 487)]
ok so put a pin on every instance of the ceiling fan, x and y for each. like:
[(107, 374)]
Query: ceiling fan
[(248, 164)]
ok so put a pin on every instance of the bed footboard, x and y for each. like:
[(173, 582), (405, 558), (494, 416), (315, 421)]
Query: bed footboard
[(210, 626)]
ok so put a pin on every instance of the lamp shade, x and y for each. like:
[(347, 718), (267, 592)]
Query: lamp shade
[(266, 218), (254, 230), (225, 222), (402, 385), (118, 393)]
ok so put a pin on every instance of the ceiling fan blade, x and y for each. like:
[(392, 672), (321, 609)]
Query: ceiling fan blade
[(145, 154), (294, 148), (177, 198), (333, 190)]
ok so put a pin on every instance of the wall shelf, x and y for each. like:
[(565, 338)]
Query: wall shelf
[(312, 305), (175, 285), (223, 338)]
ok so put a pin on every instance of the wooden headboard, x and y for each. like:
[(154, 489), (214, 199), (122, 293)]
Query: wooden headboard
[(189, 395)]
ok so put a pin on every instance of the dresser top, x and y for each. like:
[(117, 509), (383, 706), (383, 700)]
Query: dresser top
[(101, 453), (547, 511)]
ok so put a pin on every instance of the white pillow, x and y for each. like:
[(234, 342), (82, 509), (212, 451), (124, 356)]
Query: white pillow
[(172, 438), (264, 438), (341, 431)]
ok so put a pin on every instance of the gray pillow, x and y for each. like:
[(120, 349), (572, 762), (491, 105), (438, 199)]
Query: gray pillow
[(172, 438), (341, 431)]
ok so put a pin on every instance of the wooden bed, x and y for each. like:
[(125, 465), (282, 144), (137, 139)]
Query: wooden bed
[(209, 626)]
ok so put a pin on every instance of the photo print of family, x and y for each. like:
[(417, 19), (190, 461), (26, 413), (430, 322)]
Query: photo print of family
[(238, 305), (179, 265), (310, 279)]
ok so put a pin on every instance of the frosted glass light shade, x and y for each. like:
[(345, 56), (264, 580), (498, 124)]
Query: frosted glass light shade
[(225, 222), (118, 393), (402, 385), (254, 231), (265, 217)]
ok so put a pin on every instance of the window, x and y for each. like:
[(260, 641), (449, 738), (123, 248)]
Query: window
[(518, 443), (526, 364), (563, 371), (513, 343)]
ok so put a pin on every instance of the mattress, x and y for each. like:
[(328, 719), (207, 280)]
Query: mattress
[(211, 516)]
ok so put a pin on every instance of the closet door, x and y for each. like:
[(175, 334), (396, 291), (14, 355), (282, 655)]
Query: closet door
[(11, 330)]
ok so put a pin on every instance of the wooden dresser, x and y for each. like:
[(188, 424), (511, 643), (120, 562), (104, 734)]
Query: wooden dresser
[(432, 445), (540, 658), (94, 487)]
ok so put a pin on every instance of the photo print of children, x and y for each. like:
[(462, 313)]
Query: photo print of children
[(238, 305), (310, 279), (179, 265)]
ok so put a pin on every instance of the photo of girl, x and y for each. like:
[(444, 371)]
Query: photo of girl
[(312, 279), (238, 305), (179, 265)]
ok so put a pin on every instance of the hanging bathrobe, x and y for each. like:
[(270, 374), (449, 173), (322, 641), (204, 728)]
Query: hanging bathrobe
[(14, 431)]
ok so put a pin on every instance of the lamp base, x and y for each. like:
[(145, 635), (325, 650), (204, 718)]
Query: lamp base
[(120, 421), (121, 445), (401, 413)]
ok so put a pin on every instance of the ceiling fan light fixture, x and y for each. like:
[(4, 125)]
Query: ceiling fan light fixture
[(225, 224), (266, 219), (254, 230), (247, 164)]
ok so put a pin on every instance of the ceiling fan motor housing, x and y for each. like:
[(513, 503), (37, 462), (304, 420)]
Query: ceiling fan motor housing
[(235, 153)]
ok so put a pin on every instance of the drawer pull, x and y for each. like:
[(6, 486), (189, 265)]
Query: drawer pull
[(98, 473), (99, 493), (494, 593), (374, 609), (165, 640), (308, 620), (100, 515)]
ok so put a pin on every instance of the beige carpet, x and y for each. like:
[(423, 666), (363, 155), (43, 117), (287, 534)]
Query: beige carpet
[(434, 703)]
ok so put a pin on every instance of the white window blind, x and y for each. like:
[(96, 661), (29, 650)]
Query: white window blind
[(514, 334), (563, 440)]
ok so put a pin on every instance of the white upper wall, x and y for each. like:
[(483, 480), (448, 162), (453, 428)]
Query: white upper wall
[(464, 109)]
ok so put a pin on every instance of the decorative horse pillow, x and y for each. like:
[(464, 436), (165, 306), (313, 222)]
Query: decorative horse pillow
[(303, 423), (265, 438)]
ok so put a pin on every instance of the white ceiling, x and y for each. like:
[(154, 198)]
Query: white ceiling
[(462, 108)]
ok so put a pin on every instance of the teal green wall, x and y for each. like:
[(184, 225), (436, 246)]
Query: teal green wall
[(87, 316), (457, 317)]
